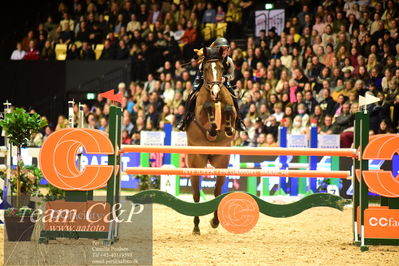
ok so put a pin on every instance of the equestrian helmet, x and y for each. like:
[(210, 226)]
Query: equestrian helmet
[(222, 42)]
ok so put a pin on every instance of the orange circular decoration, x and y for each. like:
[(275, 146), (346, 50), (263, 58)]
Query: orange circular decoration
[(58, 159), (238, 212)]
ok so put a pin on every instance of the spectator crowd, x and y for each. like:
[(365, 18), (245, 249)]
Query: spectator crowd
[(309, 74)]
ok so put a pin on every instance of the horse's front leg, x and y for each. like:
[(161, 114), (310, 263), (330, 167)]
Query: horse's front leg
[(218, 161), (195, 184), (211, 133), (228, 113)]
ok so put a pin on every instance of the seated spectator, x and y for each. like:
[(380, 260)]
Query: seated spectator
[(220, 15), (261, 140), (66, 35), (278, 112), (83, 34), (317, 116), (92, 121), (326, 127), (107, 52), (119, 24), (252, 113), (190, 34), (298, 127), (103, 125), (271, 126), (209, 14), (126, 137), (310, 102), (327, 105), (244, 139), (344, 120), (270, 141), (86, 53), (62, 122), (133, 25), (155, 14), (127, 125), (179, 33), (301, 112), (72, 53), (49, 25), (47, 53), (385, 127), (26, 40), (18, 53), (32, 53), (40, 42), (122, 52)]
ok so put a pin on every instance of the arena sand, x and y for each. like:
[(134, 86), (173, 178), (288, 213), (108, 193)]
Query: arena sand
[(319, 236)]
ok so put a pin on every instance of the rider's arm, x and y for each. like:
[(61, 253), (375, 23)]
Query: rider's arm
[(230, 69)]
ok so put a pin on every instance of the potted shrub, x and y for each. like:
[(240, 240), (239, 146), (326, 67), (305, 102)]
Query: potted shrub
[(54, 193), (19, 126), (19, 223), (148, 182), (29, 178)]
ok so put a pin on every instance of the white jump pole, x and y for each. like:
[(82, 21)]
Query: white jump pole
[(8, 154)]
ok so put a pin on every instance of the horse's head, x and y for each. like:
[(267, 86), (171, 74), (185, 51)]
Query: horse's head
[(213, 72)]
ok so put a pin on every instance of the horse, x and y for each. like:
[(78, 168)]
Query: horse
[(213, 125)]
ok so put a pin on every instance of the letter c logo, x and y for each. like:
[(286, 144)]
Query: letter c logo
[(58, 159), (382, 147)]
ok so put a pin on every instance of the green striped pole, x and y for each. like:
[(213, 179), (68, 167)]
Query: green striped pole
[(265, 186), (145, 159), (302, 182), (252, 184), (175, 160), (334, 167)]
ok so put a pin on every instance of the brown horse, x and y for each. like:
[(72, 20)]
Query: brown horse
[(213, 125)]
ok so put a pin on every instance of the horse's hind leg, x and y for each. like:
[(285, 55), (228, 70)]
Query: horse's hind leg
[(218, 161), (228, 113), (212, 133)]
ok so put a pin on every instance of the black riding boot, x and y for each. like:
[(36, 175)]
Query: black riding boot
[(239, 123), (190, 103)]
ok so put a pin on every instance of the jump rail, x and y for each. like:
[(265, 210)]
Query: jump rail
[(240, 150), (236, 172)]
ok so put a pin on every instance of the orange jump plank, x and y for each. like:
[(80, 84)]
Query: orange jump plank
[(234, 172), (240, 150)]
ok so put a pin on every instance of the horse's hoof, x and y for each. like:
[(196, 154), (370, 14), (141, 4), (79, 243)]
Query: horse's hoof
[(196, 231), (214, 223), (210, 137), (229, 132)]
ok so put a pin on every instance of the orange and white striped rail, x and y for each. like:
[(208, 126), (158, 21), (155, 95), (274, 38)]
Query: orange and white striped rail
[(240, 150), (235, 172)]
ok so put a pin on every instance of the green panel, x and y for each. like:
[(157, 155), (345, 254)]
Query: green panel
[(334, 167), (175, 159), (73, 234), (364, 164), (252, 184), (381, 241), (393, 203), (355, 182), (302, 182), (265, 186), (270, 209), (144, 159), (76, 196)]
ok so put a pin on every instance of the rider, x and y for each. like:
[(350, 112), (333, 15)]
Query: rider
[(228, 74)]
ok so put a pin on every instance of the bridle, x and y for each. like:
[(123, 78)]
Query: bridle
[(210, 85)]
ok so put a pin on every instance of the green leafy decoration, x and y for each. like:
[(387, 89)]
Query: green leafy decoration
[(20, 125)]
